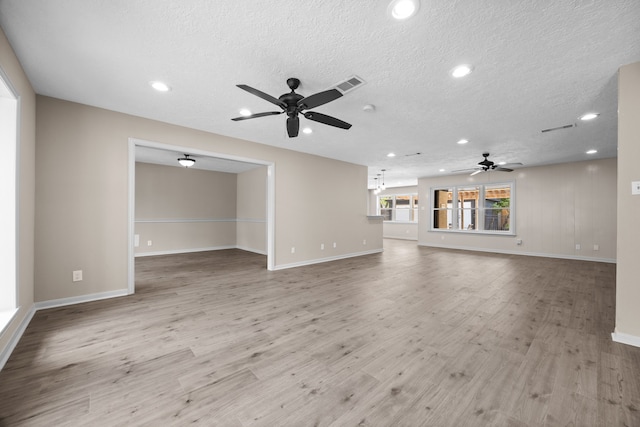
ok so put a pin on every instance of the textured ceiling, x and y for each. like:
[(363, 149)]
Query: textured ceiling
[(537, 65)]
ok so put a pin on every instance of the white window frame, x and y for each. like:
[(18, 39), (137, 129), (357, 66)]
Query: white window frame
[(480, 209), (413, 207)]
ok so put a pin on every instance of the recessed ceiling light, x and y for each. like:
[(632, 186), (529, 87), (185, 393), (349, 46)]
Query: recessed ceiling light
[(441, 170), (463, 141), (160, 86), (403, 9), (307, 130), (502, 163), (245, 112), (589, 116), (461, 71), (592, 151), (391, 155)]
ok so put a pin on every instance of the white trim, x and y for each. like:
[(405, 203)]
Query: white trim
[(271, 217), (536, 254), (6, 317), (61, 302), (189, 220), (211, 248), (185, 251), (262, 221), (131, 280), (415, 239), (5, 353), (321, 260), (255, 251), (625, 339)]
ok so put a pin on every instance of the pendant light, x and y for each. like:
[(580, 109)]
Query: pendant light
[(186, 161), (383, 187)]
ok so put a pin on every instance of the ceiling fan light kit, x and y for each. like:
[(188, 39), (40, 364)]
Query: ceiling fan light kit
[(293, 104), (487, 165), (186, 161)]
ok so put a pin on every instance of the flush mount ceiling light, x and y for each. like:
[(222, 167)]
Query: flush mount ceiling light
[(589, 116), (391, 155), (461, 71), (592, 151), (245, 112), (463, 141), (307, 130), (403, 9), (160, 86), (186, 161)]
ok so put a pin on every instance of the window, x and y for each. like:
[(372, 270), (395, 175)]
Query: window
[(400, 208), (8, 209), (483, 208)]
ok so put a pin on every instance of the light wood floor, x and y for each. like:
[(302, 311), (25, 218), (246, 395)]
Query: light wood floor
[(411, 337)]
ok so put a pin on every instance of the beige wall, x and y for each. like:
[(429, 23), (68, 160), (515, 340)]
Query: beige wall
[(251, 211), (557, 207), (82, 213), (26, 185), (628, 267), (180, 209)]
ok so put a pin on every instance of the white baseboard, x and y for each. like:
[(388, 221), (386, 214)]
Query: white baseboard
[(400, 238), (536, 254), (626, 339), (80, 299), (321, 260), (185, 251), (13, 341), (255, 251)]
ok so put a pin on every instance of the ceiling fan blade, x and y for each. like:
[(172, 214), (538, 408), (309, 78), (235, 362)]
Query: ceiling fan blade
[(327, 120), (512, 164), (318, 99), (293, 126), (254, 116), (503, 169), (263, 95), (477, 172)]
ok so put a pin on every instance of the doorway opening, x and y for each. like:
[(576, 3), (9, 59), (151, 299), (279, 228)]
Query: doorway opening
[(156, 164)]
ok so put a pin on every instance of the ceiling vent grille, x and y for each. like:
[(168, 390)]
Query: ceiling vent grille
[(349, 84)]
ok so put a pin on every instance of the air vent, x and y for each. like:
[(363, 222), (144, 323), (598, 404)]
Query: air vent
[(349, 84), (558, 128)]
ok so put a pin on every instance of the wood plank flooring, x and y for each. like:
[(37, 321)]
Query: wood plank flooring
[(411, 337)]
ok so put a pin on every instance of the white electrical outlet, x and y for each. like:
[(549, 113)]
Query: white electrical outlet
[(149, 243), (77, 275), (519, 242), (364, 242), (293, 249), (136, 240), (596, 247), (322, 246), (635, 188), (335, 245), (578, 247)]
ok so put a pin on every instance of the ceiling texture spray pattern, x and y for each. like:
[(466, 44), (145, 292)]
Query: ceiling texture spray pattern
[(536, 65)]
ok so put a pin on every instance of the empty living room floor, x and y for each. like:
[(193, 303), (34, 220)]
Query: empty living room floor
[(414, 336)]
